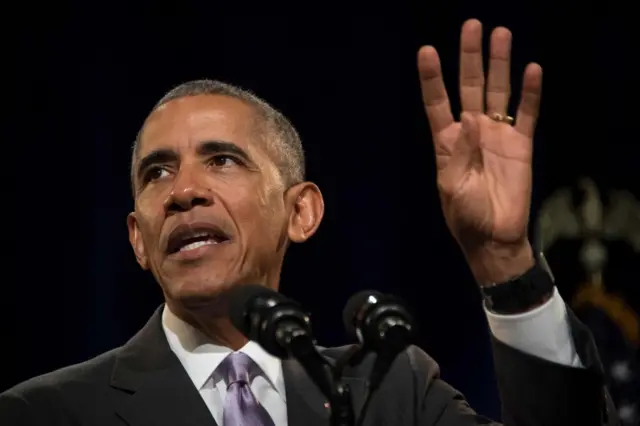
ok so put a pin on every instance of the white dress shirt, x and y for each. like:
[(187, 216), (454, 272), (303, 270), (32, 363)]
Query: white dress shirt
[(201, 358), (543, 332)]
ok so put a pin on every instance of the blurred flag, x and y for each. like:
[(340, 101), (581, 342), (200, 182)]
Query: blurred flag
[(615, 328), (614, 322)]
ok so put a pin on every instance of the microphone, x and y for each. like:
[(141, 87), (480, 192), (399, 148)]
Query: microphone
[(380, 322), (283, 329), (277, 323), (383, 325)]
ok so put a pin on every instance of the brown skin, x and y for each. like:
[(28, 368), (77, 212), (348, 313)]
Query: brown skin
[(245, 197), (484, 166), (484, 179)]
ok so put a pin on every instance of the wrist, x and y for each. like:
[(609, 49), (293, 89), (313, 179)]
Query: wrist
[(522, 293), (499, 263)]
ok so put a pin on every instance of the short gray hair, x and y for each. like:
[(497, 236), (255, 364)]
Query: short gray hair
[(277, 128)]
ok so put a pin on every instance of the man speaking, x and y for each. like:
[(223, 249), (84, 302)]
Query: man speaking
[(220, 192)]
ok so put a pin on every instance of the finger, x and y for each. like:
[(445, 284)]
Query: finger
[(434, 94), (471, 72), (529, 108), (498, 81)]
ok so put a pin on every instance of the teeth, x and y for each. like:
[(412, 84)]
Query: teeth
[(198, 244)]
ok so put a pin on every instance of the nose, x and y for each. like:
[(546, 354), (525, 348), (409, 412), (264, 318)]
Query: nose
[(186, 194)]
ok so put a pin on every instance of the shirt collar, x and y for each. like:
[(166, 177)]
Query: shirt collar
[(200, 357)]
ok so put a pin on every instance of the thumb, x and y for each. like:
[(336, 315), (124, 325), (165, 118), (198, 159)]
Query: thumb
[(466, 150), (465, 153), (469, 140)]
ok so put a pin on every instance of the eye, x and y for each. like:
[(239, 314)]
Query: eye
[(155, 173), (224, 161)]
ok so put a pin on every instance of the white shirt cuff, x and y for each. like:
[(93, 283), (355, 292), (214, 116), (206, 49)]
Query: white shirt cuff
[(543, 332)]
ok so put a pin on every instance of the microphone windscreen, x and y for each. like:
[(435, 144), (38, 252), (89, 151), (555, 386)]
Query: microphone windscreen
[(353, 307), (241, 299)]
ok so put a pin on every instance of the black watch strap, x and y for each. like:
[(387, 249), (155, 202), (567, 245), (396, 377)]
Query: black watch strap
[(521, 293)]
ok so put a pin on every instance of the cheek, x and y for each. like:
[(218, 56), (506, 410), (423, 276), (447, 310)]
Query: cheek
[(151, 199), (262, 215), (150, 224)]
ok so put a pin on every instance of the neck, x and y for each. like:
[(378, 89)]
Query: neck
[(217, 328)]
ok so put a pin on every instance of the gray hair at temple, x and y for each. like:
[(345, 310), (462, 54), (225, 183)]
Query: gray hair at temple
[(277, 130)]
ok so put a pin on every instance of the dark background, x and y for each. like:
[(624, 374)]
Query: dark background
[(88, 74)]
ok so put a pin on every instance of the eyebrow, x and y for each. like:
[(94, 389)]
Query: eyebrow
[(204, 149)]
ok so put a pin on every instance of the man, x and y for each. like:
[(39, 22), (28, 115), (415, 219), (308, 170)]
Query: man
[(218, 181)]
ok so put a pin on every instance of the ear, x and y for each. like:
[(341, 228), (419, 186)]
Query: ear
[(307, 210), (135, 238)]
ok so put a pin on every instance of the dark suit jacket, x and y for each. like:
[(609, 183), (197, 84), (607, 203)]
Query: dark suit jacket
[(142, 383)]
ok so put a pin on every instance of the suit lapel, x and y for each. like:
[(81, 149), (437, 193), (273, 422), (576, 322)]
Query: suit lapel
[(156, 389), (306, 405)]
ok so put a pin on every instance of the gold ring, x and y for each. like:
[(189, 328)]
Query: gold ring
[(500, 118)]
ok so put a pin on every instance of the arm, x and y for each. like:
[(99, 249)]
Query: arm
[(484, 174), (534, 390), (546, 361), (543, 332), (553, 382)]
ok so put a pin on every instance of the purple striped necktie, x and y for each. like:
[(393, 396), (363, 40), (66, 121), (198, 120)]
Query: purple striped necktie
[(241, 408)]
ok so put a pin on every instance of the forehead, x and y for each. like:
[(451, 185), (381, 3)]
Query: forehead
[(183, 123)]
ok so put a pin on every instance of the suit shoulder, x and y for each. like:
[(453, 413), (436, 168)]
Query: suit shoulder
[(416, 365), (334, 353), (421, 363), (87, 373), (412, 362)]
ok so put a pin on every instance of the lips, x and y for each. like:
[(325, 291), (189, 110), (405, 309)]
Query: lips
[(192, 236)]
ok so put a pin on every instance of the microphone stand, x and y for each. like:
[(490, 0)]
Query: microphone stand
[(302, 348), (381, 366)]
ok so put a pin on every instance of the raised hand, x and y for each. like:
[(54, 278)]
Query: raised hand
[(483, 161)]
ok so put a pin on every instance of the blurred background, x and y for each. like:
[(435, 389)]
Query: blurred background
[(88, 74)]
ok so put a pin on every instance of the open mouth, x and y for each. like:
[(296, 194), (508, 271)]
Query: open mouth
[(191, 237)]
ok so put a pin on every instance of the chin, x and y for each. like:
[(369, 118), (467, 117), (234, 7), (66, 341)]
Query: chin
[(193, 293)]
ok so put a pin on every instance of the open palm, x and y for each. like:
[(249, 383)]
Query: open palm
[(484, 164)]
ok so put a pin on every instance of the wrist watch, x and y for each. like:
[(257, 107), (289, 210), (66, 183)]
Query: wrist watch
[(522, 293)]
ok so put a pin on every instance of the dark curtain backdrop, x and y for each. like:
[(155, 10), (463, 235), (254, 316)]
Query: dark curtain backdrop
[(88, 73)]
